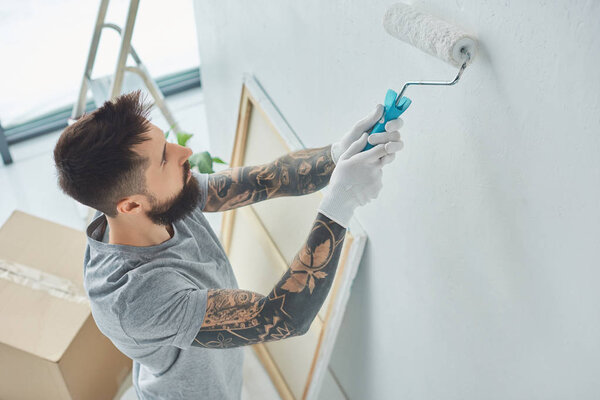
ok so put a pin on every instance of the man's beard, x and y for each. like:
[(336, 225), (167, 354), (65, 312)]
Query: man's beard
[(178, 207)]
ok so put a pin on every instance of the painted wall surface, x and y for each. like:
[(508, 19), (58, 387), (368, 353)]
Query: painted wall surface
[(481, 277)]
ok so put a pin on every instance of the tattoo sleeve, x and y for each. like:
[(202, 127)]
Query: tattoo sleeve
[(238, 317), (294, 174)]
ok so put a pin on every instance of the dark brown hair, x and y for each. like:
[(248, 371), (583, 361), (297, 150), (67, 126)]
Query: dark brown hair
[(94, 157)]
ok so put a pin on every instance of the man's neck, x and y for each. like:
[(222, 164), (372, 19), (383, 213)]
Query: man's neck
[(137, 231)]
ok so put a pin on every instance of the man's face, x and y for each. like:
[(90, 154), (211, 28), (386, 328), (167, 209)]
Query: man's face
[(173, 191)]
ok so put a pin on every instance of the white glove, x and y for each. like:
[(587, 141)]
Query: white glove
[(338, 148), (356, 180), (391, 134)]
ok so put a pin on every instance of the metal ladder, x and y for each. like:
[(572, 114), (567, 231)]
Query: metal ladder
[(117, 80)]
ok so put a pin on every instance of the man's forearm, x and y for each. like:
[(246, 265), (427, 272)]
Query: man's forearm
[(294, 174), (239, 318), (308, 170)]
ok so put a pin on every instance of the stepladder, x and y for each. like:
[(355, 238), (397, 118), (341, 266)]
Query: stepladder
[(107, 88)]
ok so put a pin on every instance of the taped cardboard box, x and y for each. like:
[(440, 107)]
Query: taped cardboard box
[(50, 346)]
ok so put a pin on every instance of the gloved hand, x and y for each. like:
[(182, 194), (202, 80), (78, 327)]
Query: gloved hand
[(356, 180), (391, 134)]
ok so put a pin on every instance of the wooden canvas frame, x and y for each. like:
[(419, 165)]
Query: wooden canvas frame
[(255, 102)]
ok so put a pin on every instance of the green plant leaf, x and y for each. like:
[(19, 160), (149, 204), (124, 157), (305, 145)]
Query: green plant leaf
[(183, 137), (218, 160), (202, 161)]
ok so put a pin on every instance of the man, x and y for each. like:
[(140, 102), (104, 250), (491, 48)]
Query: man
[(160, 285)]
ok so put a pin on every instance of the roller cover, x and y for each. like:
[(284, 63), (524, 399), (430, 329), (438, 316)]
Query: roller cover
[(430, 34)]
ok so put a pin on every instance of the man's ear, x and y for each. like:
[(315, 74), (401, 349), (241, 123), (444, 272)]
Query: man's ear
[(129, 205)]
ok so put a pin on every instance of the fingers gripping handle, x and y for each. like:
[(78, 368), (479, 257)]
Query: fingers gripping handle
[(390, 112)]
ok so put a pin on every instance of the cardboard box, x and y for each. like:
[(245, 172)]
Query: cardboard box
[(50, 347)]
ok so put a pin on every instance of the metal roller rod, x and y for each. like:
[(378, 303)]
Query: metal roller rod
[(436, 83)]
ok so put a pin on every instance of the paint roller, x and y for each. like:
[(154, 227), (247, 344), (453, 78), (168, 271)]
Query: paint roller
[(432, 35)]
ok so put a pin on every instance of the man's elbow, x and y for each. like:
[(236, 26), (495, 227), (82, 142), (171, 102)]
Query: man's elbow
[(303, 327)]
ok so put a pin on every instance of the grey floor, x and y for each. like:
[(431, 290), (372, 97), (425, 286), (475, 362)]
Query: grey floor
[(29, 185)]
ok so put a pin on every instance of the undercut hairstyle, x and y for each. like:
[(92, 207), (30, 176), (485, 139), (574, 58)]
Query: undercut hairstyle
[(94, 157)]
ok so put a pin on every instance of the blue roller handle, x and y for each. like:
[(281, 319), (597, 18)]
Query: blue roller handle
[(391, 112)]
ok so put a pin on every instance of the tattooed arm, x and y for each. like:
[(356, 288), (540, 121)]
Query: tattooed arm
[(294, 174), (238, 317)]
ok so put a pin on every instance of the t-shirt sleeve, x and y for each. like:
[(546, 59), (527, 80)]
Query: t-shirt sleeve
[(203, 181), (161, 308)]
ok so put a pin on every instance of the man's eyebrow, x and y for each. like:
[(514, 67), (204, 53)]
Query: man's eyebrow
[(163, 153)]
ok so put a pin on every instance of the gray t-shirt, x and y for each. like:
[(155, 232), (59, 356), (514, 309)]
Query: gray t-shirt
[(150, 302)]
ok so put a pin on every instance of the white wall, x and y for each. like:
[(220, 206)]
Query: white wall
[(480, 278)]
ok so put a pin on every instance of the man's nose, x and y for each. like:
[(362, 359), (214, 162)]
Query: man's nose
[(187, 152)]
